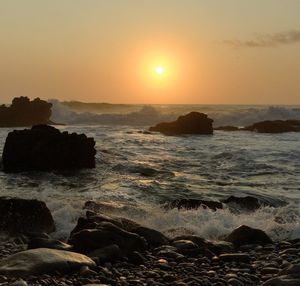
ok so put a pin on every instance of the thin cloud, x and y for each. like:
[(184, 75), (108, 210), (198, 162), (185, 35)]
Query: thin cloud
[(267, 41)]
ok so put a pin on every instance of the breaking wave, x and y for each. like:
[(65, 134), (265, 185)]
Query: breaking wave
[(149, 115)]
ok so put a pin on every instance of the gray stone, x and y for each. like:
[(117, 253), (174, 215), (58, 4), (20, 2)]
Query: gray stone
[(42, 261)]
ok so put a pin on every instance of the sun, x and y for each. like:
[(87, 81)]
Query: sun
[(159, 70)]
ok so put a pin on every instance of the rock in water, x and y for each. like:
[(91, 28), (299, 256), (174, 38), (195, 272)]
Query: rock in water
[(194, 204), (246, 203), (25, 216), (247, 235), (192, 123), (44, 148), (24, 112), (275, 126), (43, 261)]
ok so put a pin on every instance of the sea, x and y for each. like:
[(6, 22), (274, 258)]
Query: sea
[(137, 173)]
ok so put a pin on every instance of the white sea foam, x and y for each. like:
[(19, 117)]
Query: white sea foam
[(148, 115)]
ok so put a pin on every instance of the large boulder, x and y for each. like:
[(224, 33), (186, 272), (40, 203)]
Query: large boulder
[(153, 237), (25, 216), (45, 148), (24, 112), (43, 261), (247, 235), (192, 123), (106, 233), (275, 126)]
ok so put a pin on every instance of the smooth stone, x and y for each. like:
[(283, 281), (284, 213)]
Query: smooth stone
[(19, 283), (170, 254), (236, 257), (184, 244), (42, 261), (248, 235), (269, 270)]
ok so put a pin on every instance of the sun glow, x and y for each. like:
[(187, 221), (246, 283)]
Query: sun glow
[(159, 70)]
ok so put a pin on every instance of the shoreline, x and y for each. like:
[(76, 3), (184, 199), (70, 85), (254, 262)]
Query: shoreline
[(186, 260)]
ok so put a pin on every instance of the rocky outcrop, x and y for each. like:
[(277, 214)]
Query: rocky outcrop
[(19, 216), (23, 112), (244, 235), (194, 204), (275, 126), (43, 261), (192, 123), (45, 148)]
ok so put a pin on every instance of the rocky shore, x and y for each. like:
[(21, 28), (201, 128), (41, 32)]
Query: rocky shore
[(105, 250)]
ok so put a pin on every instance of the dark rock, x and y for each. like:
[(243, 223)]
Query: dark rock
[(246, 203), (24, 112), (292, 270), (20, 216), (192, 123), (105, 234), (48, 243), (44, 148), (136, 258), (194, 204), (153, 237), (227, 128), (282, 281), (43, 260), (93, 220), (275, 126), (247, 235), (109, 253)]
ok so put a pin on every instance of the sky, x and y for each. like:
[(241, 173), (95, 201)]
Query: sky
[(151, 51)]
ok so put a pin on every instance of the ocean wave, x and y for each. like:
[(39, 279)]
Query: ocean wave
[(149, 115)]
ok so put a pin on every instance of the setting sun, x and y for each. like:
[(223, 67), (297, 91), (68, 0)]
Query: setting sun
[(159, 70)]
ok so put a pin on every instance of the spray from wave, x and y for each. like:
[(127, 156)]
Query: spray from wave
[(149, 115)]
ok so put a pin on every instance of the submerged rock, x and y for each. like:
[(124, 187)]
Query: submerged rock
[(44, 148), (194, 204), (244, 235), (43, 261), (192, 123), (24, 112), (19, 216), (275, 126)]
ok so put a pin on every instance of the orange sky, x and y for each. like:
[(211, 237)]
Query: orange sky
[(241, 52)]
